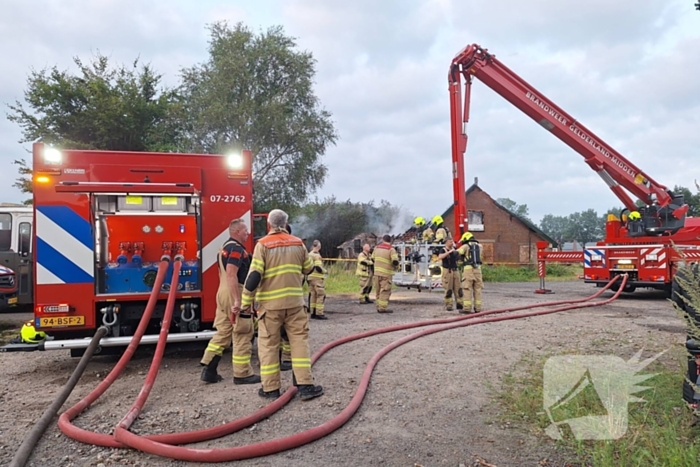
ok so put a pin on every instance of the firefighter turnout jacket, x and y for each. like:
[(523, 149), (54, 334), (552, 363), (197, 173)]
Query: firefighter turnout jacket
[(279, 262), (385, 259)]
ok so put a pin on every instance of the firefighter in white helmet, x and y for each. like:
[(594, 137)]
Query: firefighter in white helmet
[(472, 280)]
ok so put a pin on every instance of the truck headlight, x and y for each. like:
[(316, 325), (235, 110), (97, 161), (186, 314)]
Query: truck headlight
[(52, 155), (235, 161), (596, 258), (652, 257)]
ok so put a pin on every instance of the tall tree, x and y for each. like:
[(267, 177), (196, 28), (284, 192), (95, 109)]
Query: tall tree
[(585, 227), (256, 92), (518, 209), (692, 199), (102, 107), (556, 227)]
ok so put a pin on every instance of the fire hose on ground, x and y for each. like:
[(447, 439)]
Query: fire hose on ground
[(165, 445)]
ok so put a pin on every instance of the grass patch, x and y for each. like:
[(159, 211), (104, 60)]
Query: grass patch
[(341, 277), (7, 331), (555, 272), (660, 431)]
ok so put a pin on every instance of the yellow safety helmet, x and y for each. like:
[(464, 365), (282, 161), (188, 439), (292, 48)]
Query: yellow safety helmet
[(30, 335), (419, 221), (634, 216), (437, 220), (466, 236)]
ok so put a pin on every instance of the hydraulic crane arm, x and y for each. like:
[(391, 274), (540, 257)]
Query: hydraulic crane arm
[(613, 168)]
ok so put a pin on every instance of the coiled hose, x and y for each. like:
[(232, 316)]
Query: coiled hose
[(164, 445)]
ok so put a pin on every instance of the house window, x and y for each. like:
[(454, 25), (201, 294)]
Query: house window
[(475, 220)]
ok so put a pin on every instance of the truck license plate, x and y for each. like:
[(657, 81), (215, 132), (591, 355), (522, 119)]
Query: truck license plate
[(61, 321), (625, 266), (12, 300)]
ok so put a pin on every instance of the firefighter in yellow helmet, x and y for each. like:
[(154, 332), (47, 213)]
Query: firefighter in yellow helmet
[(30, 335), (472, 280), (423, 231), (635, 226), (442, 233), (450, 275)]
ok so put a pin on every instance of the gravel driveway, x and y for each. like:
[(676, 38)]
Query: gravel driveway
[(430, 402)]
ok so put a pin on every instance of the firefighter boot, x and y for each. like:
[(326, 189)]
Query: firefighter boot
[(209, 374), (307, 391), (252, 379), (269, 395), (367, 300)]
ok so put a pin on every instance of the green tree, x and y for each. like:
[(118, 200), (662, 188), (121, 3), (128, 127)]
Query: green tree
[(585, 227), (556, 227), (256, 92), (102, 107), (692, 199), (520, 210)]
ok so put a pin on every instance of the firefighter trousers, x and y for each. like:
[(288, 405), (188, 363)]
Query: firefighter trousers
[(365, 288), (382, 285), (472, 281), (317, 290), (240, 335), (296, 324), (285, 347), (453, 287)]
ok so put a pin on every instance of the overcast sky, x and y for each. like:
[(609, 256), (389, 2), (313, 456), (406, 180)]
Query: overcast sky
[(627, 69)]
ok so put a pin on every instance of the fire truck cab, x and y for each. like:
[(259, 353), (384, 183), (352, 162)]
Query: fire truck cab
[(106, 222), (16, 223)]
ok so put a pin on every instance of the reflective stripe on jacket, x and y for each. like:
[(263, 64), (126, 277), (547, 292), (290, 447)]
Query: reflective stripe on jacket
[(282, 260), (384, 255), (317, 261)]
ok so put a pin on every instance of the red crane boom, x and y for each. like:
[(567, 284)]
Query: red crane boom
[(667, 210)]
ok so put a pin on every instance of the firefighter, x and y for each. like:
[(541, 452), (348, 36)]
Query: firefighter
[(317, 287), (232, 325), (422, 230), (450, 275), (365, 271), (275, 280), (471, 275), (442, 233), (635, 226), (385, 260)]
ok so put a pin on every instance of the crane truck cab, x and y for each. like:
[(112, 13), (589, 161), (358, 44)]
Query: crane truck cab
[(16, 222)]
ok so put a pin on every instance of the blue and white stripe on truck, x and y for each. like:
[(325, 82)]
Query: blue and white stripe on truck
[(587, 256), (64, 247)]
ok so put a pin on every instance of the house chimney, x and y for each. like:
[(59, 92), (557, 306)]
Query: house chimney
[(476, 181)]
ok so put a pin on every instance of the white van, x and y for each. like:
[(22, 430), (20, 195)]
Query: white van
[(16, 262)]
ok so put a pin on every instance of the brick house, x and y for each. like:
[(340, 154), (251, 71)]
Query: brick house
[(505, 236)]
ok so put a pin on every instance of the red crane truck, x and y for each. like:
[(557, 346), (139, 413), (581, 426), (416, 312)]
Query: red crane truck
[(106, 220), (649, 250)]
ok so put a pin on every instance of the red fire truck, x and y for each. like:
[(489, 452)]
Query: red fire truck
[(649, 249), (105, 221)]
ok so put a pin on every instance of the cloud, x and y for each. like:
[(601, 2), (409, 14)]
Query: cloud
[(627, 70)]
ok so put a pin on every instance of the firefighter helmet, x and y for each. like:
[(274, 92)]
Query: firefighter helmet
[(30, 335), (419, 221), (634, 216), (437, 220), (466, 236)]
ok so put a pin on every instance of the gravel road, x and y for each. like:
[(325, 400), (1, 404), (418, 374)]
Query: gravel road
[(430, 402)]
